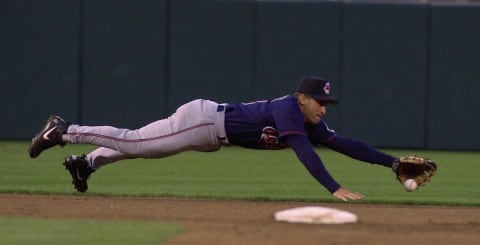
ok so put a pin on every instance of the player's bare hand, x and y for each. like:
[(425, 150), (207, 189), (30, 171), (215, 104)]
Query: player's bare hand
[(345, 194)]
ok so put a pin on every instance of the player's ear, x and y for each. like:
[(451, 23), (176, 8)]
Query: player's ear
[(302, 98)]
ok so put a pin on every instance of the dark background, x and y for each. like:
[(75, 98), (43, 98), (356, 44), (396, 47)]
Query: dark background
[(407, 74)]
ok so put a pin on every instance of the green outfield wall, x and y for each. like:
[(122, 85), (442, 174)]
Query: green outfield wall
[(407, 74)]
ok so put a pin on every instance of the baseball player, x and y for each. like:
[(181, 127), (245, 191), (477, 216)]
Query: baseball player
[(293, 121)]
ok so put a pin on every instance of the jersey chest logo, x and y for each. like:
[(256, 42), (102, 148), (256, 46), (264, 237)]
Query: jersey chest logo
[(270, 139)]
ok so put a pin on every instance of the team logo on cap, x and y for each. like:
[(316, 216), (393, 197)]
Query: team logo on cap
[(326, 88)]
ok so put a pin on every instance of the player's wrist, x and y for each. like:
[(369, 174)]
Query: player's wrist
[(395, 164)]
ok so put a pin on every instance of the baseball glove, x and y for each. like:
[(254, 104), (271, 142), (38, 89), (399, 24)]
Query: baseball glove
[(413, 167)]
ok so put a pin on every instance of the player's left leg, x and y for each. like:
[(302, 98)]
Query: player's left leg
[(49, 136), (192, 127), (197, 125)]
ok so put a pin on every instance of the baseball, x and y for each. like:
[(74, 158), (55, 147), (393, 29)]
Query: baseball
[(410, 185)]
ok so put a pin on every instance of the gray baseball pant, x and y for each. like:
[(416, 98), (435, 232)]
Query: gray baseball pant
[(198, 125)]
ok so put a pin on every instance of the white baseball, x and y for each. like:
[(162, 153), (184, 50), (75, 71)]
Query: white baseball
[(410, 185)]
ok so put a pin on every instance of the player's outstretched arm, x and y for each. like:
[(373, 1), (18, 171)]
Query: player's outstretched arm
[(360, 150), (345, 194), (314, 165)]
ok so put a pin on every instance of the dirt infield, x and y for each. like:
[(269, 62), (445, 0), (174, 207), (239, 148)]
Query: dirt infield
[(243, 222)]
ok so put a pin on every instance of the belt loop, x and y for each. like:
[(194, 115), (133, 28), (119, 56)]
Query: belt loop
[(220, 124)]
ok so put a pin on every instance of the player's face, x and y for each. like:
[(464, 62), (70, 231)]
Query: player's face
[(312, 110)]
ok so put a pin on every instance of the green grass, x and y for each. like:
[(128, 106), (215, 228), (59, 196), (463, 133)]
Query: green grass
[(54, 231), (231, 173), (237, 173)]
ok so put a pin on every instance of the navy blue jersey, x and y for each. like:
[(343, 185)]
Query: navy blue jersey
[(264, 124), (278, 123)]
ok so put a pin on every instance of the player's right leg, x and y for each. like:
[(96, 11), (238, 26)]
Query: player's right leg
[(80, 171), (103, 156), (81, 167)]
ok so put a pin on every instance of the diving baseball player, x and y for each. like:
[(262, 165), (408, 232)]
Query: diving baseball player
[(293, 121)]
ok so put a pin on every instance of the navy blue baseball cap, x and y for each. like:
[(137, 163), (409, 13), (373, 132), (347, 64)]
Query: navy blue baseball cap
[(316, 87)]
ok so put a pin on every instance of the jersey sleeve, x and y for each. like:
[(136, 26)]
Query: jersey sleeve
[(287, 117), (359, 150), (312, 161), (320, 133)]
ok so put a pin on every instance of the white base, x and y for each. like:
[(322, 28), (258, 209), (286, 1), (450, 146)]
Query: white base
[(315, 215)]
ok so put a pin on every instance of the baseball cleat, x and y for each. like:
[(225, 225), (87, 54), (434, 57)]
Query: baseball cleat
[(49, 136), (80, 171)]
